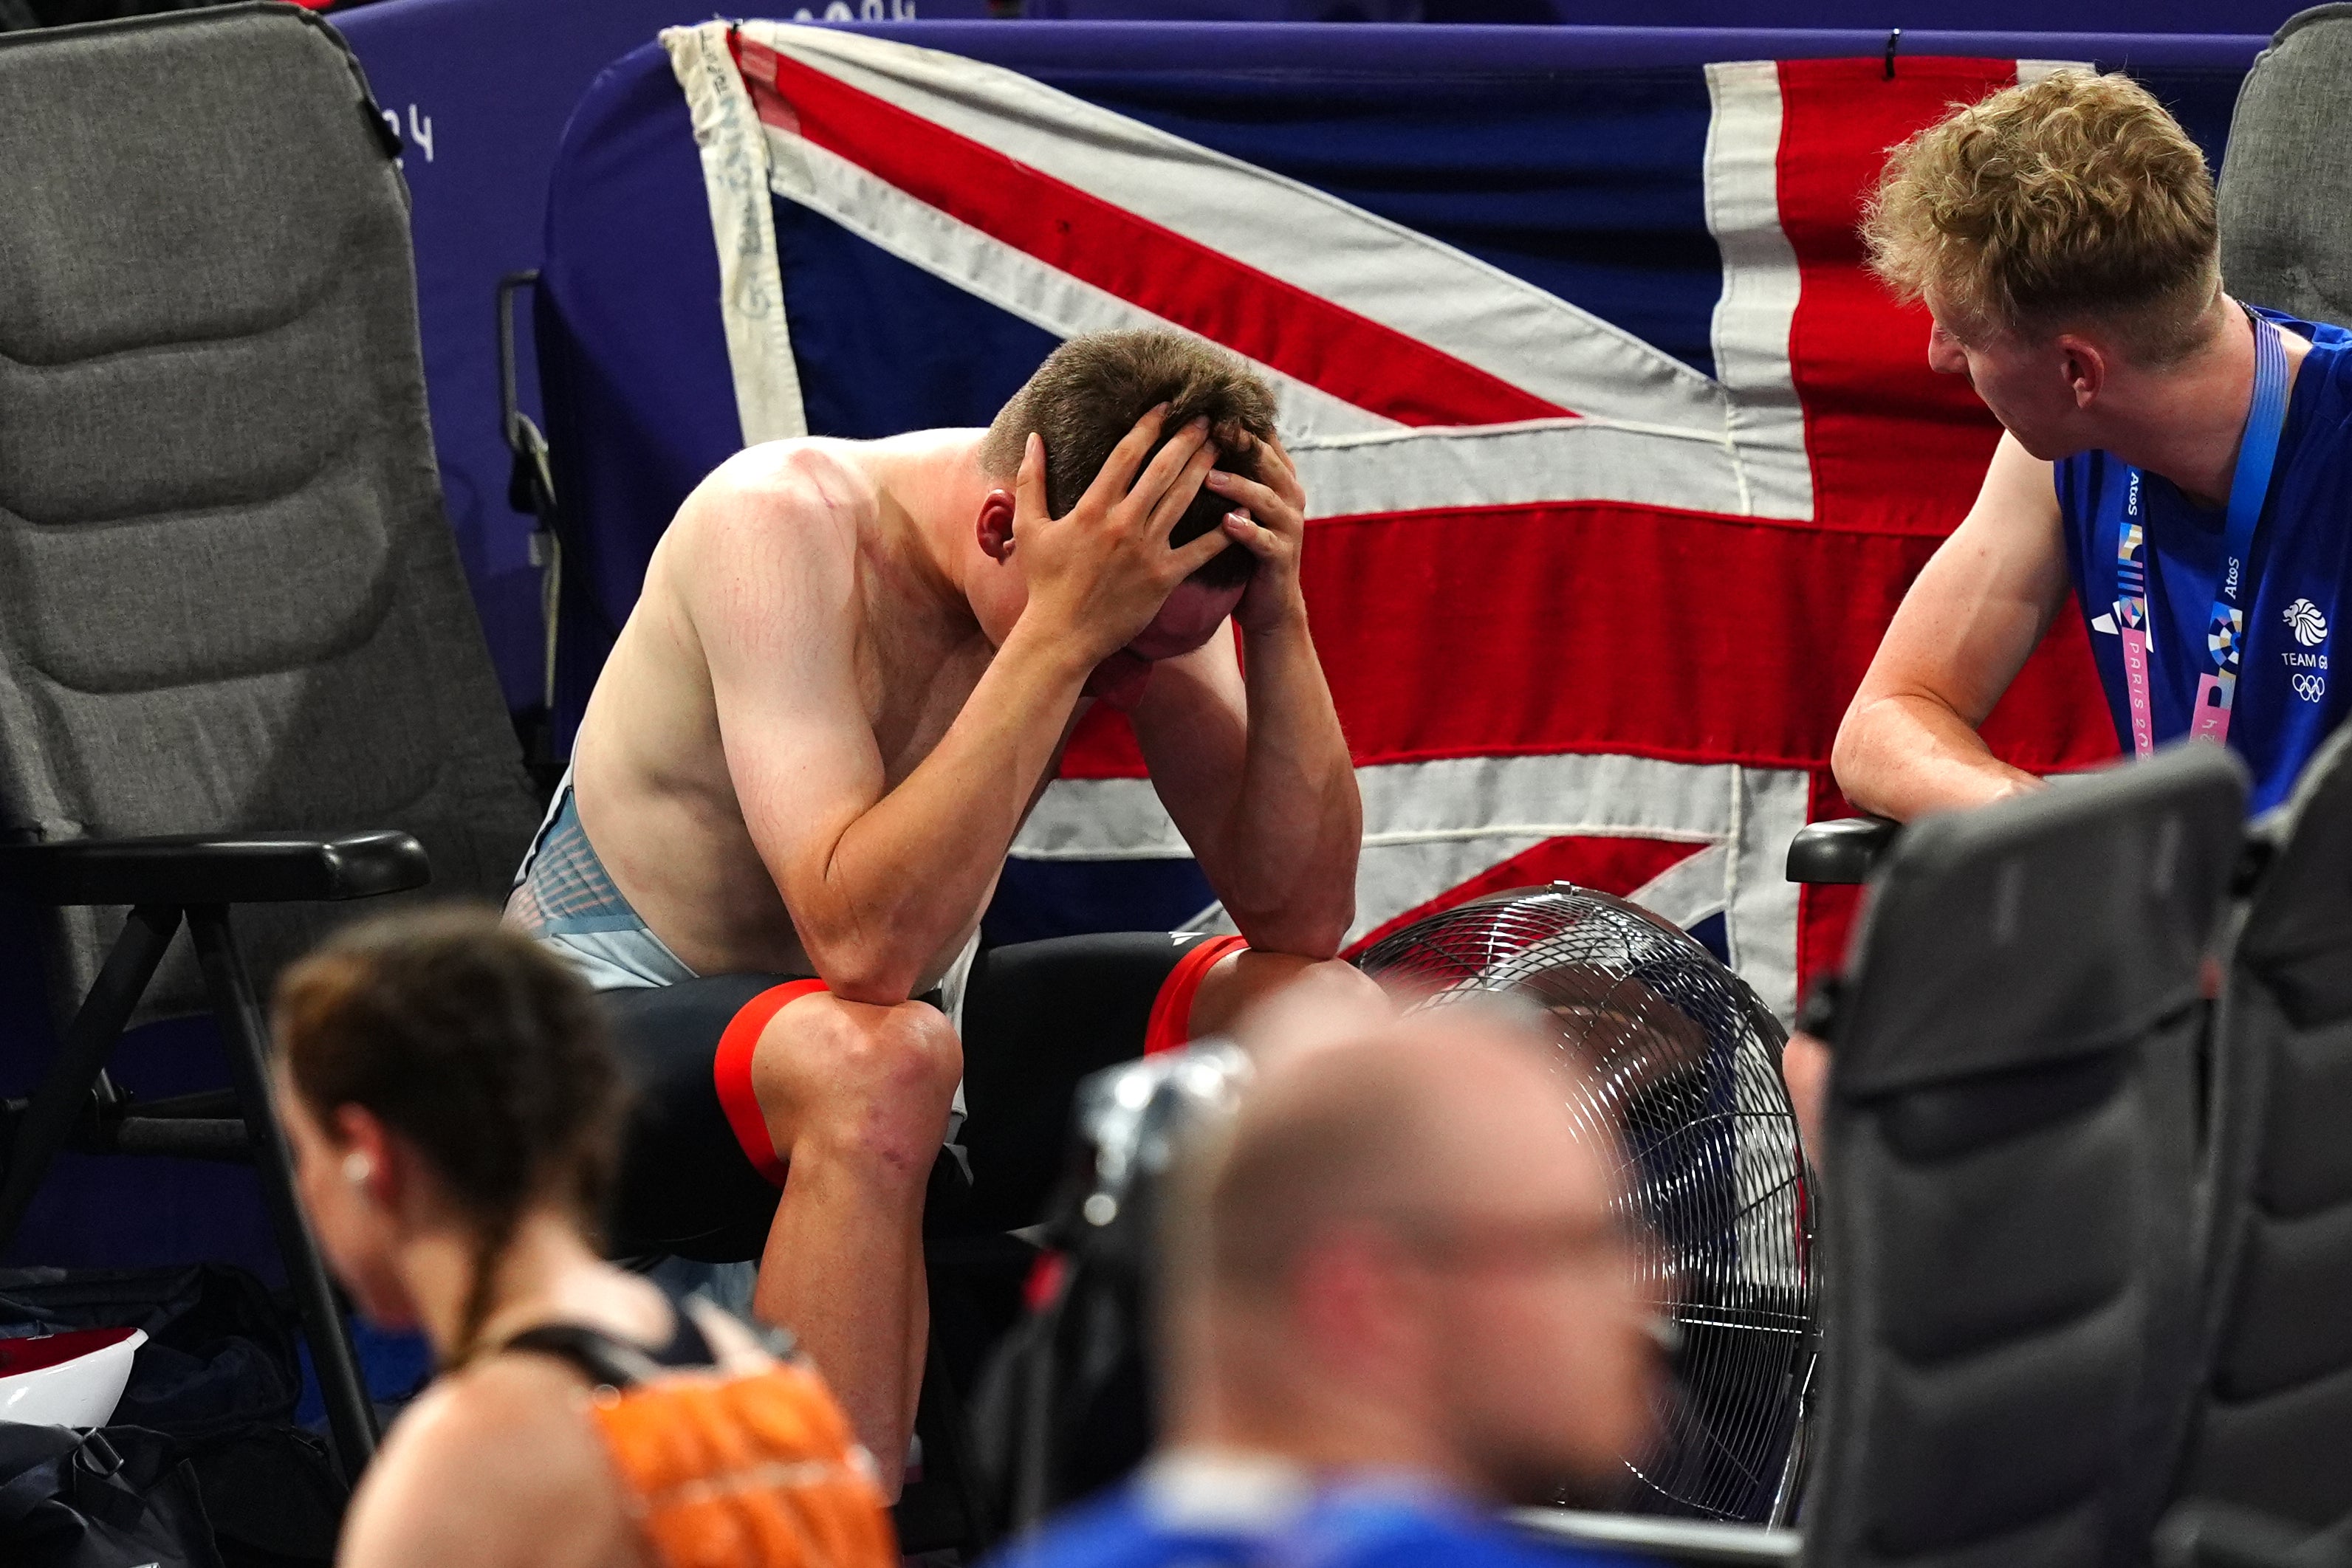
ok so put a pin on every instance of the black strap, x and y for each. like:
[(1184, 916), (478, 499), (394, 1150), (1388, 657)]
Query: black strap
[(27, 1490), (604, 1359), (617, 1363), (54, 1475), (687, 1346)]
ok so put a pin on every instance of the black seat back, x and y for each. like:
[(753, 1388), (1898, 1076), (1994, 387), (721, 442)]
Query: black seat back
[(2273, 1421), (2010, 1160)]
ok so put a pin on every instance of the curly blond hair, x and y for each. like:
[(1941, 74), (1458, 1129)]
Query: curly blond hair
[(2072, 197)]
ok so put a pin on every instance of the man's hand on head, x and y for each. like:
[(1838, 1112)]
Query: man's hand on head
[(1270, 522), (1099, 575)]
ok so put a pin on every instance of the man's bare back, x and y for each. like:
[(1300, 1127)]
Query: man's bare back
[(802, 541)]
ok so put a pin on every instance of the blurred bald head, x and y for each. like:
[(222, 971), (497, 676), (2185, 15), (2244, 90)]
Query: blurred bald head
[(1402, 1252), (1401, 1122)]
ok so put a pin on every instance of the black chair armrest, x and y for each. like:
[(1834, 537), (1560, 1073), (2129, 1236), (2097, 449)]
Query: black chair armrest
[(1661, 1540), (1840, 851), (196, 869)]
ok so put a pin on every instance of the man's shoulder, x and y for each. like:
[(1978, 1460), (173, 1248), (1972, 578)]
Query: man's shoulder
[(2331, 347), (2324, 378), (780, 513), (1345, 1529), (1117, 1531), (2320, 334), (1454, 1544), (1377, 1532), (812, 481)]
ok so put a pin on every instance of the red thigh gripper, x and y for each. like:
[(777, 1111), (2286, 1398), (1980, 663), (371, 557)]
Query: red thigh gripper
[(731, 1070), (1172, 1010)]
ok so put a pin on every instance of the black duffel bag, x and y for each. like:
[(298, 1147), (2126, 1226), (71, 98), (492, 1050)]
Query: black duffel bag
[(216, 1384), (113, 1497), (219, 1355)]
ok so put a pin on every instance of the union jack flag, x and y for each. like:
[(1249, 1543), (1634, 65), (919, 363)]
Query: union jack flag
[(1618, 460)]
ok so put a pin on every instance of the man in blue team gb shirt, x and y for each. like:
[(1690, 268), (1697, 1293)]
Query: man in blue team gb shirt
[(2177, 457), (1396, 1297)]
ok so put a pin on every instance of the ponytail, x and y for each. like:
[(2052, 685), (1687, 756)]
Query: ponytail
[(479, 1049)]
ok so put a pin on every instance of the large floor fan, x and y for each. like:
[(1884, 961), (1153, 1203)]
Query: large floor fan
[(1683, 1063)]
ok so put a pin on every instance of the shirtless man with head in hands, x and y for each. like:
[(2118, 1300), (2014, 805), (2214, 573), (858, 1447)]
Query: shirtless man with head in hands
[(851, 673)]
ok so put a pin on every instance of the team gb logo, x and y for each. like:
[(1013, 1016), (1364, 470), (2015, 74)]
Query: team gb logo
[(2309, 626)]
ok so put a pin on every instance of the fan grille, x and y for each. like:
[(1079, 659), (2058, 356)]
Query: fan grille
[(1681, 1061)]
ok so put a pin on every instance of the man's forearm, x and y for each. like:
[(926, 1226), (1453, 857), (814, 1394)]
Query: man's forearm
[(1905, 756), (1286, 861), (909, 876)]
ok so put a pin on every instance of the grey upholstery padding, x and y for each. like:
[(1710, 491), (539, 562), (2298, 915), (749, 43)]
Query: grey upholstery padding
[(2038, 879), (2274, 1418), (229, 598), (2008, 1178), (2286, 186)]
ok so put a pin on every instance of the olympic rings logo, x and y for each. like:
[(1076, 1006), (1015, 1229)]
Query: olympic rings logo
[(2310, 687)]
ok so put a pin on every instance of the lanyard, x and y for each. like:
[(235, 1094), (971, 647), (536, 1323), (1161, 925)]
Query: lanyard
[(2225, 632)]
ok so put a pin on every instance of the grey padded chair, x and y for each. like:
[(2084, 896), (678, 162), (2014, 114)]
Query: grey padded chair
[(2011, 1138), (238, 664), (2273, 1417), (2285, 199)]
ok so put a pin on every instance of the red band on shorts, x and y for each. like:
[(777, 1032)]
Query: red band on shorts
[(1172, 1012), (731, 1070)]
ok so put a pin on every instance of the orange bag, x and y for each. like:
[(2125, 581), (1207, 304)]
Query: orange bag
[(754, 1470)]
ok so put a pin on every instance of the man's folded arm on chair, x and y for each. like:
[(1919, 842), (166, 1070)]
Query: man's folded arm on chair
[(2175, 456), (1908, 743)]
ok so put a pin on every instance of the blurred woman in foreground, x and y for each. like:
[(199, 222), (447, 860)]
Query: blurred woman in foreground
[(453, 1109)]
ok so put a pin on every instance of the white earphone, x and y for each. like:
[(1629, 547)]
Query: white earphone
[(357, 1167)]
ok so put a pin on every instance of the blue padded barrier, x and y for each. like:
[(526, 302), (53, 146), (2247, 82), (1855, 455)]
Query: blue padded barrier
[(482, 89)]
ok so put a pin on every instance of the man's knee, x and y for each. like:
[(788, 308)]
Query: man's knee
[(1270, 998), (909, 1052), (1339, 984), (873, 1079)]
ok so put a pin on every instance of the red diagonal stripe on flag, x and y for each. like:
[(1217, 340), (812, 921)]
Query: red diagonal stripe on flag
[(1302, 335), (1617, 866)]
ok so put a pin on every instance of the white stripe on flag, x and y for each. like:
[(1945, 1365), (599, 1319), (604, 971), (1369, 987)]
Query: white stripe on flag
[(1352, 462), (1382, 270), (2032, 71), (1431, 826), (1688, 891), (1005, 275), (1517, 465), (751, 281), (1760, 284)]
